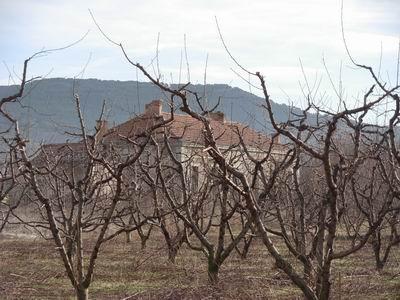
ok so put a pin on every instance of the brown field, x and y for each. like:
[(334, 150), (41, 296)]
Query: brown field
[(31, 269)]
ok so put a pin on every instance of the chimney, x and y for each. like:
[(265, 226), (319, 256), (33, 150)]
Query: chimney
[(154, 108), (101, 127), (218, 116)]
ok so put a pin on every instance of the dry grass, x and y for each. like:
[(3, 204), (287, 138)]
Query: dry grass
[(31, 269)]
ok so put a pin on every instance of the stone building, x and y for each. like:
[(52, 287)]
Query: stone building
[(186, 139), (184, 135)]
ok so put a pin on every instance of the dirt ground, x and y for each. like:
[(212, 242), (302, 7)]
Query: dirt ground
[(31, 269)]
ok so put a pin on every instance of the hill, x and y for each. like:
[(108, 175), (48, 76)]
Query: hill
[(47, 109)]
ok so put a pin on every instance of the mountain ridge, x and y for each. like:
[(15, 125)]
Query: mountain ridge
[(47, 109)]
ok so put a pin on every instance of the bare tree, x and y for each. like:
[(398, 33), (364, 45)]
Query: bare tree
[(380, 196), (9, 158), (202, 201), (135, 210), (171, 227), (318, 142), (273, 208), (8, 183), (79, 190)]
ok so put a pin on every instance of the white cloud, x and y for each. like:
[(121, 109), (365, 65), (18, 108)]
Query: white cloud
[(267, 36)]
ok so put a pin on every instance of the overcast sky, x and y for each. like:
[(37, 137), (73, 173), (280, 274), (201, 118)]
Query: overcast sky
[(269, 36)]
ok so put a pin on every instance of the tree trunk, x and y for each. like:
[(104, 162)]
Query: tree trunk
[(128, 237), (324, 279), (70, 249), (379, 264), (307, 272), (376, 246), (213, 271), (172, 252), (246, 248), (82, 293), (143, 243)]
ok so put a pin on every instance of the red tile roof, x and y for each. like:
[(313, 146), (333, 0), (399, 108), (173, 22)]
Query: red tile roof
[(191, 130), (182, 127), (51, 153), (62, 147)]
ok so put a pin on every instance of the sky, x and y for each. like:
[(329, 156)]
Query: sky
[(292, 43)]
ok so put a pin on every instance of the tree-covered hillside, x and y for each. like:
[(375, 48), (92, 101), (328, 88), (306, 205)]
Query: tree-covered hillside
[(48, 110)]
